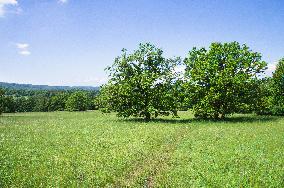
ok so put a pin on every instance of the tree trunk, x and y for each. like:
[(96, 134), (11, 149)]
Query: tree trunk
[(216, 115), (147, 116)]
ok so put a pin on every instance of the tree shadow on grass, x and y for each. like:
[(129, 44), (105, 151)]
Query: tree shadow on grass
[(250, 119), (232, 119), (8, 116)]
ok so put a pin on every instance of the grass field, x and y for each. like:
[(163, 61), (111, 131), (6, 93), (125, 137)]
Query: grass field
[(90, 149)]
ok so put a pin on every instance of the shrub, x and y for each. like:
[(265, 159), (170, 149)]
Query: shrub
[(77, 101)]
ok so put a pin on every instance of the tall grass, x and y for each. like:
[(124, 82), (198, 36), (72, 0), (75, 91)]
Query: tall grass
[(89, 149)]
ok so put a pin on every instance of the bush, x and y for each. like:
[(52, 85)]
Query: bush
[(77, 101), (9, 104), (58, 102)]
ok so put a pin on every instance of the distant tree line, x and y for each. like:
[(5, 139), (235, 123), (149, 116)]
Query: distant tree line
[(31, 87), (26, 100), (224, 79)]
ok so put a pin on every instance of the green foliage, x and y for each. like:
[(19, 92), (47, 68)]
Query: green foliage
[(222, 79), (272, 93), (2, 102), (278, 89), (57, 102), (77, 101), (21, 100), (25, 104), (41, 103), (142, 84), (264, 104), (10, 104)]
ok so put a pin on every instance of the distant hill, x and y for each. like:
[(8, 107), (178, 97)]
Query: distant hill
[(45, 87)]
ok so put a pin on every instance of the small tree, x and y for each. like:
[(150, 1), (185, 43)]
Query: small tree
[(57, 102), (77, 101), (222, 78), (21, 104), (41, 103), (9, 104), (278, 89), (264, 104), (142, 84)]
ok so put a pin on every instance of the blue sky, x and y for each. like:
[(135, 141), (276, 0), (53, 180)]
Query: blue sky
[(70, 42)]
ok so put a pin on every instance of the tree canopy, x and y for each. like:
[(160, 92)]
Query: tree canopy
[(278, 88), (78, 101), (222, 78), (142, 84)]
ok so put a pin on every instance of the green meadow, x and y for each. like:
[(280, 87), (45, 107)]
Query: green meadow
[(91, 149)]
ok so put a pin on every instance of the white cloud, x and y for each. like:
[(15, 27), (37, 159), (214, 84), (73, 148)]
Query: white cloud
[(63, 1), (180, 69), (23, 49), (22, 45), (8, 2), (271, 68), (25, 52), (4, 4)]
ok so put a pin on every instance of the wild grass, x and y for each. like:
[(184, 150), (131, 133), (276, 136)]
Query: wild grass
[(91, 149)]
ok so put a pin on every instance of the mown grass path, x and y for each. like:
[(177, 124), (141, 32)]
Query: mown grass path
[(90, 149), (144, 171)]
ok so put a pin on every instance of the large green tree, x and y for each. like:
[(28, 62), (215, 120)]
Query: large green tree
[(142, 84), (222, 79)]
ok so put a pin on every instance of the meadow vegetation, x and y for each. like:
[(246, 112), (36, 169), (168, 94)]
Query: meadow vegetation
[(89, 149)]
